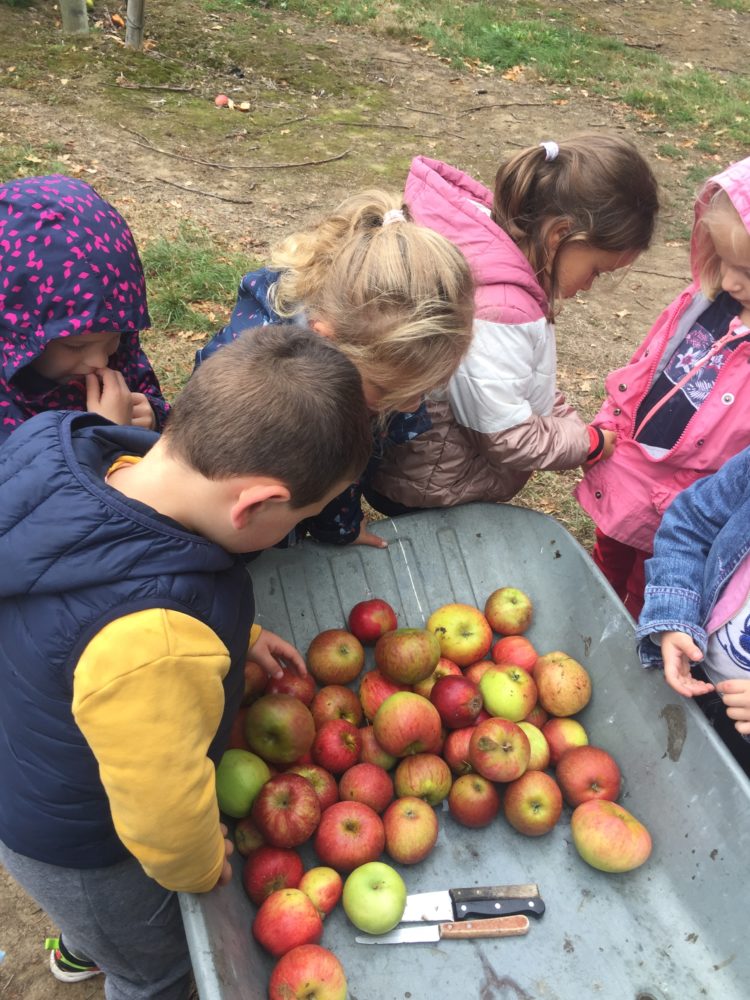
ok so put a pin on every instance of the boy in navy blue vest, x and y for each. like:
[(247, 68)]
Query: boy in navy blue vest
[(125, 617)]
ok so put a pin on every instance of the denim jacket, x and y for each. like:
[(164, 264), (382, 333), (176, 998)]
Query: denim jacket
[(703, 538)]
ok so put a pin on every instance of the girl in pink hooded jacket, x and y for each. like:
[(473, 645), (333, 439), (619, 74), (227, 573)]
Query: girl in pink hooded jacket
[(559, 216), (680, 408)]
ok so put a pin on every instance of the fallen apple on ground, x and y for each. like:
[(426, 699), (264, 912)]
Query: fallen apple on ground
[(370, 619), (270, 868), (424, 775), (564, 685), (374, 897), (473, 800), (349, 834), (533, 803), (588, 772), (411, 830), (323, 885)]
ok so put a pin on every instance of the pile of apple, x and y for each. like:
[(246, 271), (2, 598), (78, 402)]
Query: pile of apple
[(449, 712)]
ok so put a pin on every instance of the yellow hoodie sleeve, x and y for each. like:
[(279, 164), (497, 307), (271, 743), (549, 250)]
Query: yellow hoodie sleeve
[(148, 697)]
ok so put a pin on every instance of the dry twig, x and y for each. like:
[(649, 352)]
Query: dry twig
[(206, 194), (147, 144), (505, 104)]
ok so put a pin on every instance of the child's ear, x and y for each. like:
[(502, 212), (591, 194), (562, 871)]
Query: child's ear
[(251, 498), (556, 232), (323, 328)]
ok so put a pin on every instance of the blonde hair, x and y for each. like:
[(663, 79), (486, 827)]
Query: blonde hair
[(599, 184), (398, 296), (705, 260)]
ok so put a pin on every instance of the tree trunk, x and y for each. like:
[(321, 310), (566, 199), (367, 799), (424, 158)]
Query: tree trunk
[(75, 17), (134, 24)]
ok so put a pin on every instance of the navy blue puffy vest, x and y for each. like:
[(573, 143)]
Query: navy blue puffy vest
[(74, 555)]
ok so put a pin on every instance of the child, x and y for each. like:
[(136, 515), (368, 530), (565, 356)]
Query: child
[(397, 298), (560, 216), (126, 615), (697, 605), (680, 407), (72, 301)]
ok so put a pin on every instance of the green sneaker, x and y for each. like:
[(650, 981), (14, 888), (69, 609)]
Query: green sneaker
[(65, 966)]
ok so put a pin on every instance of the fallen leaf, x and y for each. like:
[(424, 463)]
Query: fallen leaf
[(622, 313), (116, 19)]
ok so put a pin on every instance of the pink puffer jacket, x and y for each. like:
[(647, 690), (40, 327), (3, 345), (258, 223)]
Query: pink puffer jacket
[(502, 417), (627, 494)]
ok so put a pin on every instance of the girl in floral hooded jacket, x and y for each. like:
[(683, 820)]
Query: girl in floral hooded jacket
[(72, 303)]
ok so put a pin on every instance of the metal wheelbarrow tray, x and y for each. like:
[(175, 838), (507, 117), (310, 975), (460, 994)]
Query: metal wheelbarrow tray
[(675, 929)]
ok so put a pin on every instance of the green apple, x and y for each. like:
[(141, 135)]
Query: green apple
[(508, 692), (239, 777), (374, 897)]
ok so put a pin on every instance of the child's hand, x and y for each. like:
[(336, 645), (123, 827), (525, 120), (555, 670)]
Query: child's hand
[(143, 414), (107, 394), (735, 694), (274, 654), (678, 652), (610, 440), (366, 537), (226, 871)]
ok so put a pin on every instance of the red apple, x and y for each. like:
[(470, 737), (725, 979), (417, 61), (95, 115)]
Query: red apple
[(335, 656), (608, 837), (367, 783), (372, 752), (508, 692), (286, 810), (279, 728), (374, 688), (423, 775), (476, 671), (308, 972), (407, 723), (444, 668), (564, 685), (515, 649), (256, 680), (270, 868), (336, 746), (458, 700), (334, 701), (370, 619), (537, 716), (285, 919), (539, 759), (533, 803), (561, 735), (300, 686), (587, 772), (407, 655), (322, 781), (247, 836), (411, 830), (509, 611), (324, 887), (349, 835), (473, 800), (464, 633), (237, 739), (499, 750), (456, 750)]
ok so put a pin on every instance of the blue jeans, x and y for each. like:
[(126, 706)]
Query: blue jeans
[(117, 917)]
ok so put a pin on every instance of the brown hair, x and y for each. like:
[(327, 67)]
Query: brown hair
[(279, 401), (599, 184), (398, 296), (706, 263)]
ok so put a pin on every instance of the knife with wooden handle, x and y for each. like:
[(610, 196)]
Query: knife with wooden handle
[(491, 927)]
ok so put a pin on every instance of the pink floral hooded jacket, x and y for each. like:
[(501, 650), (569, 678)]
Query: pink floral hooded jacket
[(68, 266), (503, 416), (627, 494)]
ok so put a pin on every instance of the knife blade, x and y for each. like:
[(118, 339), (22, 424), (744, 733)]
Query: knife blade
[(480, 901), (416, 934)]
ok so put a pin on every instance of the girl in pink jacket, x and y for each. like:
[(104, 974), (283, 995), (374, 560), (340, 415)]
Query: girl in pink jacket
[(559, 216), (680, 408)]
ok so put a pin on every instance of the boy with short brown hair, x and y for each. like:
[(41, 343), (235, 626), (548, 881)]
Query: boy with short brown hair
[(126, 613)]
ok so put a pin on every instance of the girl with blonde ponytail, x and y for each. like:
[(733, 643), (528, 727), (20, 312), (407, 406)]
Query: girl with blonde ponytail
[(395, 297)]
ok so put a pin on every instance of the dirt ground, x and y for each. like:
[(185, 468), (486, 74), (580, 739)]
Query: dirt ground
[(166, 155)]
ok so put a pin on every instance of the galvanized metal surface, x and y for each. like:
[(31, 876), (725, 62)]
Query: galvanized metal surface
[(675, 929)]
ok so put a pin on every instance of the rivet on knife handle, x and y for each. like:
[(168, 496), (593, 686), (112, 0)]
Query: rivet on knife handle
[(494, 927)]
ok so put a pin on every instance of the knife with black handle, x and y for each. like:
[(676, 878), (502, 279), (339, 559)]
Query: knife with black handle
[(473, 903)]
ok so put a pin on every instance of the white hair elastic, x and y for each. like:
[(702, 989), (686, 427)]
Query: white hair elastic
[(393, 215), (551, 150)]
